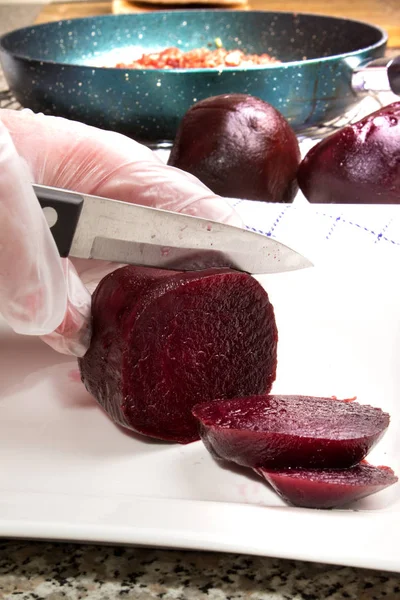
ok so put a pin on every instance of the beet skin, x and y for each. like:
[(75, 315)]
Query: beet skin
[(165, 340), (290, 431), (328, 488), (359, 164), (239, 146)]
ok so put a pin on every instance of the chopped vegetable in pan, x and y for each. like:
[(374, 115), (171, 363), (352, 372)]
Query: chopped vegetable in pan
[(200, 58)]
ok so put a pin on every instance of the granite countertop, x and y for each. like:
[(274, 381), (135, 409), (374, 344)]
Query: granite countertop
[(52, 571), (34, 570)]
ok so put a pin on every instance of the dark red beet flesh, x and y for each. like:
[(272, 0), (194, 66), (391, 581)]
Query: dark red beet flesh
[(357, 164), (239, 146), (328, 488), (290, 431), (165, 340)]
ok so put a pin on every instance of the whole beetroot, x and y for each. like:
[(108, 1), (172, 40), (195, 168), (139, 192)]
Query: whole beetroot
[(240, 147), (359, 164)]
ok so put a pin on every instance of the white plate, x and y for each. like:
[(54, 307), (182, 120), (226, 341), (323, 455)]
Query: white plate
[(68, 473)]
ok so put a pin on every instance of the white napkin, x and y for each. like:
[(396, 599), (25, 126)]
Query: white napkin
[(329, 234)]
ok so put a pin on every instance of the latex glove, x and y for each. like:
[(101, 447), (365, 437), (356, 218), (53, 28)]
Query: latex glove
[(33, 295), (44, 294)]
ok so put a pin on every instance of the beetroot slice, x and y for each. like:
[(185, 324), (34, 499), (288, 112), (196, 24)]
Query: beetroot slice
[(290, 431), (328, 488), (164, 340)]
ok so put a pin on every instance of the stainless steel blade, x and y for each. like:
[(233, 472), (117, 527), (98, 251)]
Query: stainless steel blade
[(133, 234)]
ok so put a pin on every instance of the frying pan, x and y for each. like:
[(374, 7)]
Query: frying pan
[(63, 68)]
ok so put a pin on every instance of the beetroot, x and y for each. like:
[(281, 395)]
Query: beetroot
[(328, 488), (357, 164), (290, 431), (164, 340), (239, 146)]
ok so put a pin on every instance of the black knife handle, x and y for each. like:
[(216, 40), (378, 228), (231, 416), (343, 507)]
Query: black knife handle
[(68, 207)]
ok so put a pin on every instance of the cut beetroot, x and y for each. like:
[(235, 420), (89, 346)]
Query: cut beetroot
[(290, 431), (165, 340), (328, 488)]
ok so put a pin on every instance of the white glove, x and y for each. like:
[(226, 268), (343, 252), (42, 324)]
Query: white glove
[(41, 294)]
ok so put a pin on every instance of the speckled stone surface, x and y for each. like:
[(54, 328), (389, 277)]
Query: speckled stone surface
[(47, 571)]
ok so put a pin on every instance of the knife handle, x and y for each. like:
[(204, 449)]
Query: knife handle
[(63, 222)]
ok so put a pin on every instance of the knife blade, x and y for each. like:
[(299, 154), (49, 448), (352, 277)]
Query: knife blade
[(86, 226)]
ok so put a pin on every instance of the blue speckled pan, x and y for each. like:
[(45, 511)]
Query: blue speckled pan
[(58, 67)]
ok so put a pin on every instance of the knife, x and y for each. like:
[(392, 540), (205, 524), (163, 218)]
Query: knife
[(85, 226)]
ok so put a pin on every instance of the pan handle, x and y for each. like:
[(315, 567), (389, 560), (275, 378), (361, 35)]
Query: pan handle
[(380, 75)]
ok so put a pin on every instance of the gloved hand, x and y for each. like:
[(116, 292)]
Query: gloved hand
[(41, 294)]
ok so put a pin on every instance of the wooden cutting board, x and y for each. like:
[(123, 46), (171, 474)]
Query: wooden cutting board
[(384, 13)]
